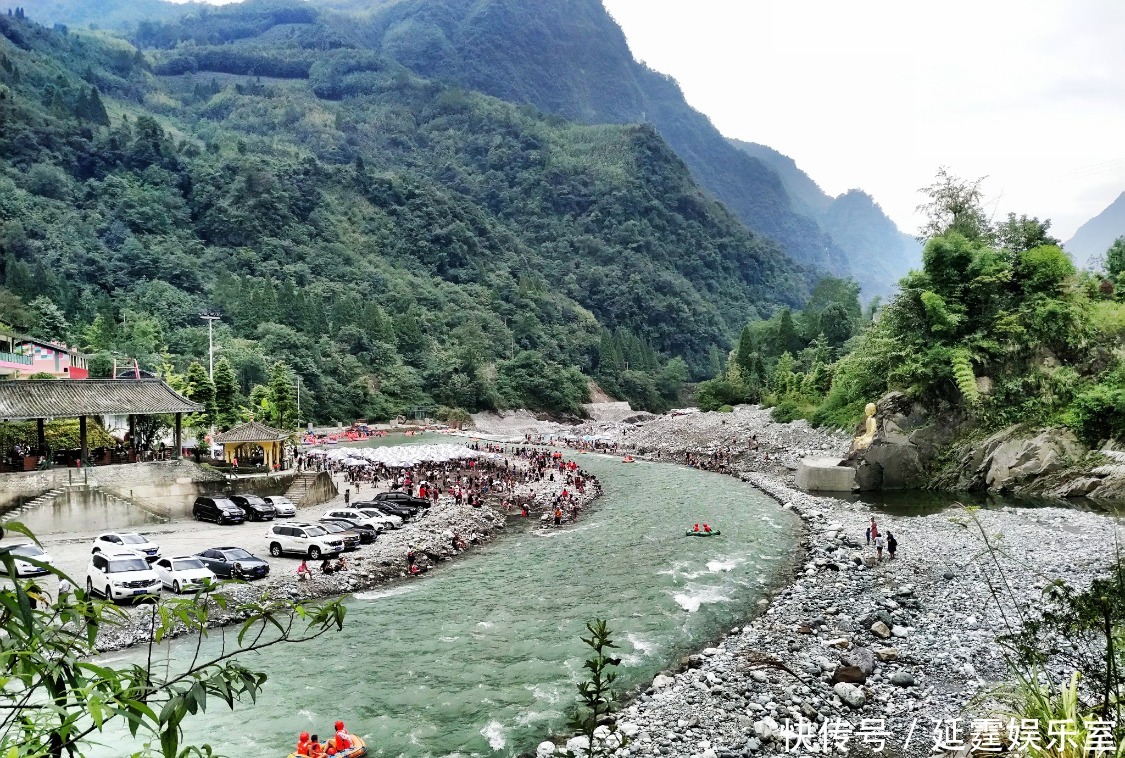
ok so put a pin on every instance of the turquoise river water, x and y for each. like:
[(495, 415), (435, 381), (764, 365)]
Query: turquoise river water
[(481, 656)]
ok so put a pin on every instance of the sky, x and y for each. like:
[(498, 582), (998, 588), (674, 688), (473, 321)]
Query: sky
[(878, 94)]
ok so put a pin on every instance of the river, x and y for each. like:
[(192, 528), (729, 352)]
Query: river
[(481, 657)]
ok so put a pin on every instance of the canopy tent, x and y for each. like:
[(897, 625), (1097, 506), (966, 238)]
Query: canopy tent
[(399, 456), (241, 441)]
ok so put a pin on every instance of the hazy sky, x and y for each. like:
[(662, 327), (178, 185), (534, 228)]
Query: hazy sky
[(878, 94)]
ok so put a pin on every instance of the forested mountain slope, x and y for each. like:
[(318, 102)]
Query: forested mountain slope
[(398, 241), (878, 252)]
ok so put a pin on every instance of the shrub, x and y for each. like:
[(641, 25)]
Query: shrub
[(725, 409), (1098, 413)]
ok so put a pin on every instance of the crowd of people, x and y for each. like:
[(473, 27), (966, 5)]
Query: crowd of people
[(889, 542)]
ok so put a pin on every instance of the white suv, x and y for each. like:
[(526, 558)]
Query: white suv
[(373, 519), (303, 539), (117, 576)]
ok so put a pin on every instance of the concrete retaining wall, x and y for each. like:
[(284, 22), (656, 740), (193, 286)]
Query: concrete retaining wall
[(824, 475)]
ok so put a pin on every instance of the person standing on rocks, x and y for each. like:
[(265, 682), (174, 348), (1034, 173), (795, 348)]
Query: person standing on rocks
[(879, 548), (873, 530), (892, 545)]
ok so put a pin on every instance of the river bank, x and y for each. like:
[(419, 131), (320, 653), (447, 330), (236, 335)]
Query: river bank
[(372, 567), (913, 640)]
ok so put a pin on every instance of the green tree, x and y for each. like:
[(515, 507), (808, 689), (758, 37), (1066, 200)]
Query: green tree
[(48, 320), (1115, 258), (282, 397), (198, 388), (226, 395), (954, 205), (1024, 233)]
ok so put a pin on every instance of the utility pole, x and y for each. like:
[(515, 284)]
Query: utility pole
[(298, 401), (210, 318)]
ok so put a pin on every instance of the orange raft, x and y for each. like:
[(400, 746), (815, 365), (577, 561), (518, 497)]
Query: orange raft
[(357, 750), (627, 459)]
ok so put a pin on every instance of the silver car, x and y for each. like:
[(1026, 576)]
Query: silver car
[(283, 506)]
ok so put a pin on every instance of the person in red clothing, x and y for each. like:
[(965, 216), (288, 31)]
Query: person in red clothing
[(303, 743), (706, 528), (316, 750), (695, 528), (342, 741)]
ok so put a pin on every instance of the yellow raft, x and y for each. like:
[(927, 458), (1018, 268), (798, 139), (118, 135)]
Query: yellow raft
[(358, 749)]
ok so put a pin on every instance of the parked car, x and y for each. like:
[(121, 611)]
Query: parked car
[(117, 576), (217, 509), (367, 534), (234, 563), (283, 506), (401, 498), (26, 550), (376, 520), (183, 572), (350, 538), (386, 511), (312, 540), (116, 542), (256, 508)]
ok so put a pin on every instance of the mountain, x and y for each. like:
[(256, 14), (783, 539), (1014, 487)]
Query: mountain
[(1097, 235), (568, 58), (878, 252), (398, 241), (105, 14)]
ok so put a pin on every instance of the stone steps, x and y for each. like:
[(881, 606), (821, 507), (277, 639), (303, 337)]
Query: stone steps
[(47, 498)]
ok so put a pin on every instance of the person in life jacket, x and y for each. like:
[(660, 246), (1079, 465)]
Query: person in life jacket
[(316, 750), (706, 528), (695, 528), (343, 740), (303, 743)]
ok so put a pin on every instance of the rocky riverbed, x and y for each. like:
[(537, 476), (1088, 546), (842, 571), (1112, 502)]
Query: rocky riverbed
[(854, 648), (372, 566)]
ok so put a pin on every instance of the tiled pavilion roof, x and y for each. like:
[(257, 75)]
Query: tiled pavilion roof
[(21, 400)]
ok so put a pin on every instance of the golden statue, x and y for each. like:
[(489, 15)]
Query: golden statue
[(863, 441)]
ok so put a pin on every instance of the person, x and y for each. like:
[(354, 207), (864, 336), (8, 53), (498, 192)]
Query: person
[(869, 536), (303, 743), (414, 570), (706, 528), (316, 750), (326, 566), (695, 528), (879, 548), (523, 510), (341, 564), (343, 740), (65, 588), (892, 545), (558, 516), (303, 573), (874, 528)]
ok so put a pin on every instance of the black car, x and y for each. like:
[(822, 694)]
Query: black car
[(387, 509), (256, 508), (401, 498), (366, 533), (217, 509), (234, 563), (350, 537)]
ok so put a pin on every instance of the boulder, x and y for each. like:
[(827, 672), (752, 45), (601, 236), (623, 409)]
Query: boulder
[(545, 750), (660, 681), (861, 658), (767, 728), (578, 745), (879, 629), (887, 654), (905, 441), (849, 674), (902, 679), (853, 696)]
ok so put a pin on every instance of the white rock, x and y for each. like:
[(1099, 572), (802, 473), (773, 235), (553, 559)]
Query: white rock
[(628, 728), (899, 631), (545, 750), (850, 694), (661, 681), (578, 745)]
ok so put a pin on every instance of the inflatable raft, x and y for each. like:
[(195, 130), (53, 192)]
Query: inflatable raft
[(359, 749), (715, 533), (627, 459)]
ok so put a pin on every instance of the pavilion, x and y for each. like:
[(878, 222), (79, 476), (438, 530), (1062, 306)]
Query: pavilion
[(240, 442), (41, 400)]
